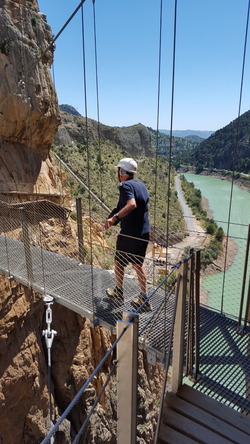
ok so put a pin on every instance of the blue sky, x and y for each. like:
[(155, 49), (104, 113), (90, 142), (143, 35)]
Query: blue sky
[(209, 54)]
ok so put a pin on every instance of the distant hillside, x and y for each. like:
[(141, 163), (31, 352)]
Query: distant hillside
[(185, 133), (180, 150), (135, 139), (222, 150), (69, 109), (196, 139)]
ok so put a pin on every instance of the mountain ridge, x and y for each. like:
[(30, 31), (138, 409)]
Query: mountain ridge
[(204, 134)]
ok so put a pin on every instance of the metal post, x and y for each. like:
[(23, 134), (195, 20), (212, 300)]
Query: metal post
[(190, 325), (127, 357), (197, 312), (49, 336), (178, 343), (244, 277), (247, 315), (26, 243), (79, 228)]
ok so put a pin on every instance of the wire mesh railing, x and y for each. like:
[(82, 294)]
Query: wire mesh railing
[(54, 228)]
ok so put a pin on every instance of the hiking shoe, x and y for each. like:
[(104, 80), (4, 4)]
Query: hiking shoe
[(116, 294), (139, 300)]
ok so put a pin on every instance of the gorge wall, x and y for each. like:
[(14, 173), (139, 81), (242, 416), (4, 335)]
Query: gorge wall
[(29, 113)]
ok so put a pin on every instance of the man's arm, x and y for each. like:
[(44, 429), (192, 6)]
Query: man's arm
[(130, 206)]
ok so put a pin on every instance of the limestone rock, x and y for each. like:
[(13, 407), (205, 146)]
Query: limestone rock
[(29, 113)]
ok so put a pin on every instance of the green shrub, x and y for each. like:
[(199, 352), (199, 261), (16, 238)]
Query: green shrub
[(219, 235)]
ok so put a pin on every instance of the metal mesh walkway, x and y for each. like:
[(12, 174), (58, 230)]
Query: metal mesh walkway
[(80, 287), (224, 362)]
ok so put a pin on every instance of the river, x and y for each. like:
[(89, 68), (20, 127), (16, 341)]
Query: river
[(224, 291)]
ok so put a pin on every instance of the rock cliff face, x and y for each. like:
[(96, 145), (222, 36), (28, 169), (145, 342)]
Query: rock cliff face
[(29, 114)]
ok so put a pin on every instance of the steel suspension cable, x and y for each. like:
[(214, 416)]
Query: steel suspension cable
[(82, 428), (235, 152), (97, 103), (88, 156), (157, 125), (158, 111), (171, 128)]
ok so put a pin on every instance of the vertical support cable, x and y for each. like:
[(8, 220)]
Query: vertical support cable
[(79, 229), (235, 154), (49, 336), (88, 156), (157, 129), (171, 128), (27, 249), (97, 104)]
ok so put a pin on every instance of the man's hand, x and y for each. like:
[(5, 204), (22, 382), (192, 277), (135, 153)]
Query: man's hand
[(109, 222)]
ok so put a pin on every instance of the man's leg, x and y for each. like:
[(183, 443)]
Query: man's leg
[(142, 278), (117, 292), (119, 274)]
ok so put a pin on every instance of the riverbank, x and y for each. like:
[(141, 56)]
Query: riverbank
[(241, 182), (223, 262), (200, 239)]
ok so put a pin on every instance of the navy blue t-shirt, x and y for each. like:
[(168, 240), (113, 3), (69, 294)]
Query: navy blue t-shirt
[(135, 223)]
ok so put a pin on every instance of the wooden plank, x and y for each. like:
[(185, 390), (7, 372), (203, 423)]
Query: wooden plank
[(193, 430), (230, 416), (206, 419), (170, 436)]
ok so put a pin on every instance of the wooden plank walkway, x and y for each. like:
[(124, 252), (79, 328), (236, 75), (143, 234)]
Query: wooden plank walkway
[(191, 417)]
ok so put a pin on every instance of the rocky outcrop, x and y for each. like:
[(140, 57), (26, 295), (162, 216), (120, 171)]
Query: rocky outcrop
[(134, 140), (29, 113)]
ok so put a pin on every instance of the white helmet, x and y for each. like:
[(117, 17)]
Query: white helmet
[(129, 165)]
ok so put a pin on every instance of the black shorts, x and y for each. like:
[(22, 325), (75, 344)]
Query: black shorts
[(131, 250)]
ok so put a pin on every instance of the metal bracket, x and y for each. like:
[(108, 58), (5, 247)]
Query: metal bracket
[(48, 333), (151, 356)]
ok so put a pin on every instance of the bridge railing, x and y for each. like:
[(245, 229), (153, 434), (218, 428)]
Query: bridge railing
[(183, 352), (76, 235)]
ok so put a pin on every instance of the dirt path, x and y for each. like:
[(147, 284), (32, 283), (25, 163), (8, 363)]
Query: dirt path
[(197, 237)]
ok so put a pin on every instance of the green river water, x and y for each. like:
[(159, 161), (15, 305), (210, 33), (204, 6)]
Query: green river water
[(224, 293)]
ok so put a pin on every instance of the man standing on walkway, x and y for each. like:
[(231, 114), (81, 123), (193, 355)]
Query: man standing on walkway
[(132, 241)]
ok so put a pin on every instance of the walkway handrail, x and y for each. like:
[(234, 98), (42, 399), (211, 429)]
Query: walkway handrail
[(177, 331), (76, 439)]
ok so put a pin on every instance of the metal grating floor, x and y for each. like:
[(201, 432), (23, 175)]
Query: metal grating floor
[(224, 361), (224, 348)]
